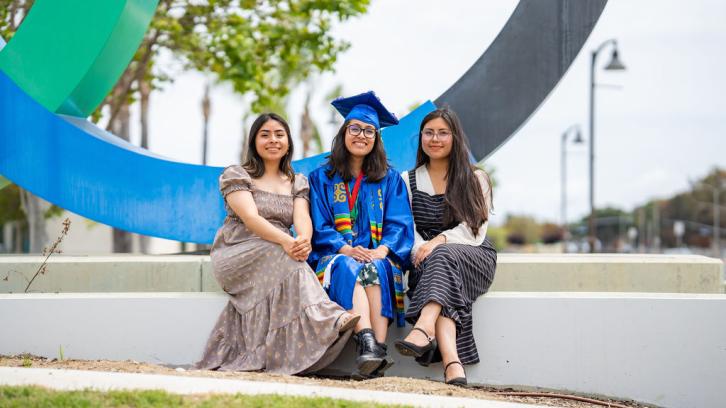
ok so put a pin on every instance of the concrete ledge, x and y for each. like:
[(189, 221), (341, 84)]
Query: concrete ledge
[(654, 348), (515, 272), (609, 273), (109, 273)]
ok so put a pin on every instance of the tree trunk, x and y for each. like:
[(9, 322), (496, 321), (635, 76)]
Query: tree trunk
[(18, 8), (306, 127), (144, 91), (243, 150), (122, 240), (35, 209), (11, 12), (18, 234)]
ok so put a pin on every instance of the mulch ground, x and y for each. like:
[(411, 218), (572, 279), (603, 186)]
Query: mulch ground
[(397, 384)]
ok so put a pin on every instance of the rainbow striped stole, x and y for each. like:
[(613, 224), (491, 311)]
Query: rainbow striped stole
[(376, 233), (344, 225), (320, 273)]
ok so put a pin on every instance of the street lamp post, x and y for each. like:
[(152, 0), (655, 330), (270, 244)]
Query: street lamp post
[(563, 171), (614, 65)]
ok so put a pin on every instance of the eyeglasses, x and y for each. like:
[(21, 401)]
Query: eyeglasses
[(442, 134), (356, 130)]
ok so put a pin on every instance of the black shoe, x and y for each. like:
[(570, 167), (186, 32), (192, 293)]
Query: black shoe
[(460, 381), (385, 364), (426, 358), (381, 369), (409, 349), (370, 354)]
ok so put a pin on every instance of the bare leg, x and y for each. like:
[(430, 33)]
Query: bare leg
[(426, 321), (446, 337), (360, 306), (378, 322)]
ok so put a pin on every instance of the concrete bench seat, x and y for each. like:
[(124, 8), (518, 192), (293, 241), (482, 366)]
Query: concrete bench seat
[(515, 272), (662, 349)]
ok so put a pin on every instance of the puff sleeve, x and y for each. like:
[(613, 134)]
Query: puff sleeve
[(234, 178), (301, 187)]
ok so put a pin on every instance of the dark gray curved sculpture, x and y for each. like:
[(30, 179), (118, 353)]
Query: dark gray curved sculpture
[(507, 84)]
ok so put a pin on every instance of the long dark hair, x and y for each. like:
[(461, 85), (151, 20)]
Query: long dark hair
[(375, 164), (253, 162), (464, 197)]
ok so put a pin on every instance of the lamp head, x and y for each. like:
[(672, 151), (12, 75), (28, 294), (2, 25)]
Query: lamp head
[(615, 63)]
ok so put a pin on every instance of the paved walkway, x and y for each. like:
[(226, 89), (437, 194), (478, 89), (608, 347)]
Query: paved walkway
[(61, 379)]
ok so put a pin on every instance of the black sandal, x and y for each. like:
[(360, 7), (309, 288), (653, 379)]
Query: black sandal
[(460, 381), (427, 358), (409, 349)]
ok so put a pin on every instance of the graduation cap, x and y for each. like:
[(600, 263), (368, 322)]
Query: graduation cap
[(367, 108)]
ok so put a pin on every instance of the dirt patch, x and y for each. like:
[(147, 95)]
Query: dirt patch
[(397, 384)]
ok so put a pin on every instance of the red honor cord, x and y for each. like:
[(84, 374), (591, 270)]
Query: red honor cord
[(356, 188)]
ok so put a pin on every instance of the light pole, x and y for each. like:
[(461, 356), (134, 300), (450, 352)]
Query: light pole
[(614, 65), (563, 171)]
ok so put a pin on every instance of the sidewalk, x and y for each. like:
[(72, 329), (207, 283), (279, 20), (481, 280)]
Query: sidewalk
[(104, 381)]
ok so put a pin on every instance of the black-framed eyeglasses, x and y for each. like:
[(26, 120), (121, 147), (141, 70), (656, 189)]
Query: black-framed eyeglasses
[(356, 130)]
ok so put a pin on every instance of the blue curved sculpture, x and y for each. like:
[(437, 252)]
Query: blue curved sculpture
[(74, 164)]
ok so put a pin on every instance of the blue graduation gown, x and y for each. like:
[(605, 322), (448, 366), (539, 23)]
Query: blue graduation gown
[(397, 235)]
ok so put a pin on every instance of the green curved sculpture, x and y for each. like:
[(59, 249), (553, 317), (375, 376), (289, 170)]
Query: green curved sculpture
[(74, 80)]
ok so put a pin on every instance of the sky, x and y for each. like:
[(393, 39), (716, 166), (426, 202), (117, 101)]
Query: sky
[(659, 124)]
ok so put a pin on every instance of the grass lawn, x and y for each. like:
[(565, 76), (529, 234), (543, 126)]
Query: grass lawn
[(43, 397)]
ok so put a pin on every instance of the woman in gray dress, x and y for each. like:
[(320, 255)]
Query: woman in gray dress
[(279, 319)]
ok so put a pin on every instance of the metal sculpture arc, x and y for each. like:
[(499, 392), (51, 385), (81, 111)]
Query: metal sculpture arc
[(66, 56)]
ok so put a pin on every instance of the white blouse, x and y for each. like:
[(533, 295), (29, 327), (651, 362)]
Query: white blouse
[(460, 234)]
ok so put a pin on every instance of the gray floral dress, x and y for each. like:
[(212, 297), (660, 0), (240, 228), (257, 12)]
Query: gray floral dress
[(279, 318)]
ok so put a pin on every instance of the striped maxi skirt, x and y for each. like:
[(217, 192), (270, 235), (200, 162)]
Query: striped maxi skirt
[(454, 276)]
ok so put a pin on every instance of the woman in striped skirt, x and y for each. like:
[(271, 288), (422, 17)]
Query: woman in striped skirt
[(453, 262)]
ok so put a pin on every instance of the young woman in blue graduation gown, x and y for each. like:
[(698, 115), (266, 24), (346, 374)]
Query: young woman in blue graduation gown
[(363, 228)]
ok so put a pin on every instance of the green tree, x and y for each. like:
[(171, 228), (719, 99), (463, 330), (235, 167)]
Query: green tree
[(551, 233), (498, 236), (611, 225), (12, 13), (263, 48), (694, 207), (522, 229)]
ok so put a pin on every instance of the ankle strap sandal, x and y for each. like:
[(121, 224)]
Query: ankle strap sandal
[(460, 381), (407, 348)]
